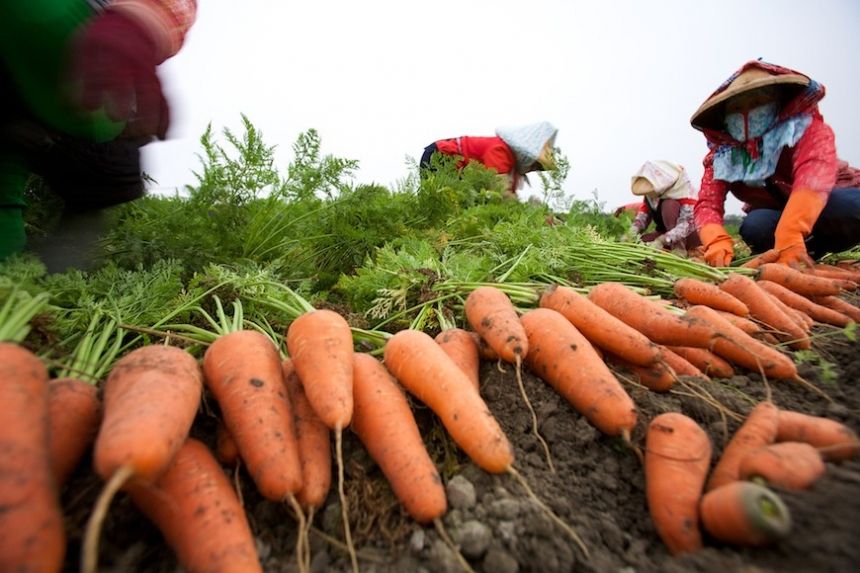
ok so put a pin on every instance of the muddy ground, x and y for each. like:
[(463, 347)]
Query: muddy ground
[(598, 488)]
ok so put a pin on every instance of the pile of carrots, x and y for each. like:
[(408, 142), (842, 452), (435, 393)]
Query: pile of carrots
[(279, 416)]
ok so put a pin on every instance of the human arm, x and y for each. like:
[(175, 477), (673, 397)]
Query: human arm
[(708, 216), (676, 236)]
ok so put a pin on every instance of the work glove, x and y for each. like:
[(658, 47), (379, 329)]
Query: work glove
[(795, 224), (719, 247), (113, 66)]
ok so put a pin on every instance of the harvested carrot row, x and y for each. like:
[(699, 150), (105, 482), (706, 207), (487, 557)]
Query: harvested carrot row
[(786, 465), (677, 456), (600, 327), (820, 432), (656, 377), (699, 292), (681, 365), (385, 425), (32, 537), (839, 305), (758, 431), (744, 513), (807, 285), (461, 347), (563, 357), (197, 511), (803, 304), (705, 360), (75, 413), (762, 307)]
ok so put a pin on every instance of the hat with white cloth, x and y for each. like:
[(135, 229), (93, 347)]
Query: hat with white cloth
[(664, 179), (530, 144)]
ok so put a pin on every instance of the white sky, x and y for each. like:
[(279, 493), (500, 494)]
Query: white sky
[(381, 79)]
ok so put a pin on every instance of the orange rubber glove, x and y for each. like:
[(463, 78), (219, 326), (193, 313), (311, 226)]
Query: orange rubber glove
[(795, 224), (719, 247)]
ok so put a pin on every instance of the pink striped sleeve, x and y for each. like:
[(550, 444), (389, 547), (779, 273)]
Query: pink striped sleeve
[(166, 20)]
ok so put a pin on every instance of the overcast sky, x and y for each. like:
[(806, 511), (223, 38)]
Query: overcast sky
[(381, 79)]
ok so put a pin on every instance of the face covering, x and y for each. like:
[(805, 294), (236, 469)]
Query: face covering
[(752, 124)]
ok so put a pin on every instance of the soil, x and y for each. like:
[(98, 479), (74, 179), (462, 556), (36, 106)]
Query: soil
[(598, 488)]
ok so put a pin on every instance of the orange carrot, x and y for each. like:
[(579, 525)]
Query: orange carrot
[(677, 456), (197, 511), (762, 307), (839, 305), (484, 350), (385, 425), (656, 377), (770, 256), (704, 360), (600, 327), (563, 357), (75, 413), (699, 292), (493, 316), (807, 285), (649, 318), (431, 376), (460, 346), (820, 432), (681, 365), (786, 465), (243, 372), (803, 304), (834, 272), (801, 319), (758, 431), (744, 513), (744, 324), (32, 537), (226, 450)]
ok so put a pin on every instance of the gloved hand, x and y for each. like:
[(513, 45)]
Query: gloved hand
[(719, 247), (795, 256), (796, 222), (113, 65)]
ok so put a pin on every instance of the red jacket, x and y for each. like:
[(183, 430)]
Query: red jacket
[(492, 152)]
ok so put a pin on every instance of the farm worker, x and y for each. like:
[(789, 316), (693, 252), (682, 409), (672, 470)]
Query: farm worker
[(770, 147), (668, 201), (512, 152), (80, 97), (631, 208)]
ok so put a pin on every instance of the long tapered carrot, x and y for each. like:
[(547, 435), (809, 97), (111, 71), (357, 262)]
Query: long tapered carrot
[(744, 513), (762, 307), (801, 283), (563, 357), (31, 523), (431, 376), (243, 372), (706, 361), (657, 377), (834, 272), (197, 511), (770, 256), (385, 425), (839, 305), (649, 318), (698, 292), (460, 346), (600, 327), (837, 441), (803, 321), (785, 465), (75, 413), (681, 365), (677, 456), (803, 304), (757, 431), (493, 316)]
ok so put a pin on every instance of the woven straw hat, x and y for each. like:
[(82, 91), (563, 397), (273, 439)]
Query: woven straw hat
[(641, 186)]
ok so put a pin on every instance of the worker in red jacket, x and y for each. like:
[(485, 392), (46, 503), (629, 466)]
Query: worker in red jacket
[(770, 147), (512, 153), (80, 97)]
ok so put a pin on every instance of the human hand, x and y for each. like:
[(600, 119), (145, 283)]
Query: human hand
[(719, 246), (796, 256), (659, 242)]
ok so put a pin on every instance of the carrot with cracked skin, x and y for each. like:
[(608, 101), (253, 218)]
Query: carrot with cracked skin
[(705, 360), (424, 369), (649, 318), (785, 465), (839, 305), (699, 292), (656, 377), (197, 510), (32, 537), (763, 308), (243, 372), (600, 327), (677, 456), (757, 431), (493, 316), (460, 346), (836, 441), (385, 425), (565, 359), (75, 412), (744, 513), (801, 283), (815, 311)]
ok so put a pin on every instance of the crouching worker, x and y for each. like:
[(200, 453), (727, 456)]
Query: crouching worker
[(81, 96), (770, 146), (668, 201), (512, 152)]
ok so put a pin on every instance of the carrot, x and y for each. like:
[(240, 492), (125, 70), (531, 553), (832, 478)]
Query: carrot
[(493, 316), (243, 372), (801, 319), (744, 513), (656, 377), (600, 327), (197, 511), (431, 376), (839, 305), (226, 450), (762, 307), (699, 292), (807, 285), (681, 365), (649, 318), (770, 256), (484, 350), (820, 432), (815, 311), (834, 272), (32, 537), (460, 346), (757, 431), (705, 361), (385, 425), (75, 413), (744, 324), (677, 456), (563, 357), (786, 465)]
